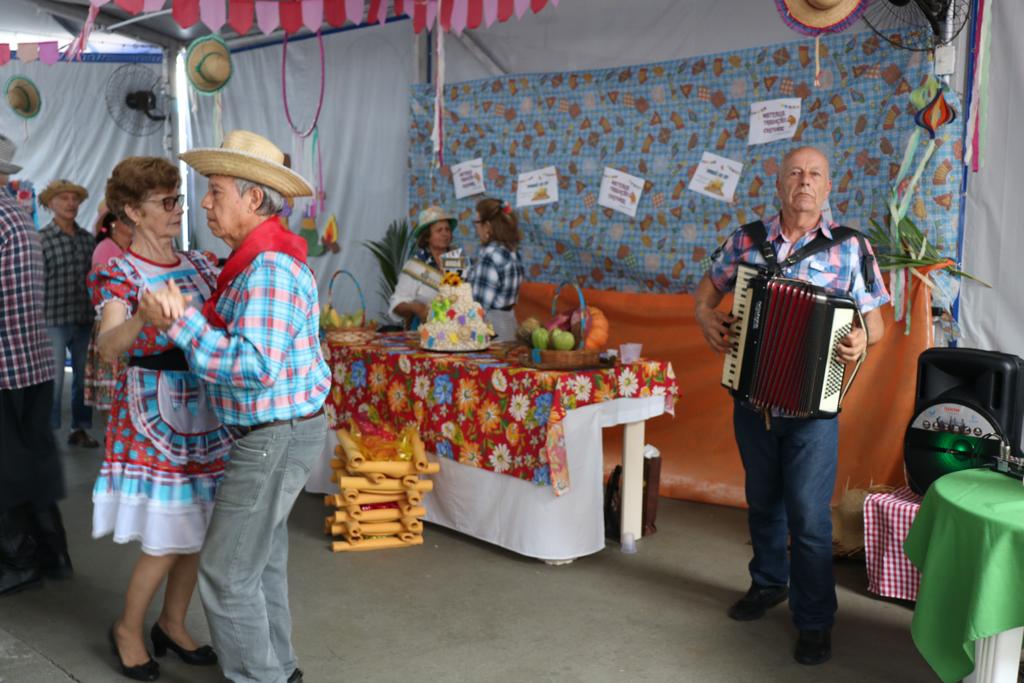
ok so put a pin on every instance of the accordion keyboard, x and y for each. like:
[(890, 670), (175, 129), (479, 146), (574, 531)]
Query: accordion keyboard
[(740, 309)]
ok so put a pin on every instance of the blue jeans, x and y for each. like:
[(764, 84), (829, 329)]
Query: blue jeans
[(790, 475), (243, 567), (76, 339)]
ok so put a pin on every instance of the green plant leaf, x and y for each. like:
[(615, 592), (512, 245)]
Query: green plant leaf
[(391, 253)]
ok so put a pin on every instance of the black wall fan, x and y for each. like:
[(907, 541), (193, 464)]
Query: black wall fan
[(134, 101), (917, 24)]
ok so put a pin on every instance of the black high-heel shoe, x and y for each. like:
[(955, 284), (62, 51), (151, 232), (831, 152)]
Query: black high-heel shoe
[(150, 671), (201, 656)]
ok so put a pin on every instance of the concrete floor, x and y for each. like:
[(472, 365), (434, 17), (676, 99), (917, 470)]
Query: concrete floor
[(455, 609)]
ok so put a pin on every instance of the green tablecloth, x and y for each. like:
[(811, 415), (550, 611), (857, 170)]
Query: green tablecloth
[(968, 542)]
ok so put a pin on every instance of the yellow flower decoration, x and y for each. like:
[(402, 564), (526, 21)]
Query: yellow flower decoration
[(452, 279)]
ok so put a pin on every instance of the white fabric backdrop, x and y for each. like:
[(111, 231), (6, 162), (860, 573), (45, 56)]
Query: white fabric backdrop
[(362, 133), (73, 137), (993, 239)]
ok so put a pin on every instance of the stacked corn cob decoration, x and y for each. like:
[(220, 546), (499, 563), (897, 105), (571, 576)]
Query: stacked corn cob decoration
[(378, 504)]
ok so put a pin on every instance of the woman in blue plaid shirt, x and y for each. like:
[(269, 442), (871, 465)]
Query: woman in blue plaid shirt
[(498, 271)]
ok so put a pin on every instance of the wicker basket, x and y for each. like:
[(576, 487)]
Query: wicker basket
[(576, 359), (349, 335)]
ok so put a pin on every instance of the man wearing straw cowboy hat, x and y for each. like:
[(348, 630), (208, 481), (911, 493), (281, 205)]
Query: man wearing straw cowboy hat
[(67, 254), (256, 343)]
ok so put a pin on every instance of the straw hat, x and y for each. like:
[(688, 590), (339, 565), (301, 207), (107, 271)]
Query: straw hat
[(208, 64), (7, 150), (57, 186), (431, 215), (250, 157), (816, 17), (23, 96)]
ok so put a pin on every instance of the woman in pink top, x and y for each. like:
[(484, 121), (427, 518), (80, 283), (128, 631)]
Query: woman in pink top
[(112, 239)]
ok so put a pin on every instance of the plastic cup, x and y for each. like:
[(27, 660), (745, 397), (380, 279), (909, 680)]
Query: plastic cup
[(627, 543), (630, 353)]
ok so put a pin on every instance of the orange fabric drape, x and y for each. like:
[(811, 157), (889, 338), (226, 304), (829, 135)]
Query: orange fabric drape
[(699, 457)]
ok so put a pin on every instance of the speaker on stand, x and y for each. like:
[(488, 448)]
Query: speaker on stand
[(968, 412)]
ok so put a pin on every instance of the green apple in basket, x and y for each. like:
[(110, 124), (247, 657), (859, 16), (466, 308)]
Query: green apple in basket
[(562, 340), (540, 338)]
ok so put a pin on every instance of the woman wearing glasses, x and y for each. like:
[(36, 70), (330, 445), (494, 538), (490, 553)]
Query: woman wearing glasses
[(166, 448)]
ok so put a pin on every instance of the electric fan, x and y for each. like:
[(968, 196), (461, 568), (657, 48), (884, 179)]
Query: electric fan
[(134, 101), (917, 24)]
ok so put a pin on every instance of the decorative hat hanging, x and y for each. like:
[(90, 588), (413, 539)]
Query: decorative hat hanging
[(208, 64), (815, 17), (251, 157), (23, 96)]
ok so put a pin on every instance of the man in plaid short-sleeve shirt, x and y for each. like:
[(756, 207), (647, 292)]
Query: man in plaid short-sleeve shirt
[(790, 463), (31, 531), (67, 255)]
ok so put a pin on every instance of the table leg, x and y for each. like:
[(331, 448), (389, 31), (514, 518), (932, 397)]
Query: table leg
[(997, 658), (632, 478)]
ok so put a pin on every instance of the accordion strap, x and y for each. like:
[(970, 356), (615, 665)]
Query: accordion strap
[(757, 232)]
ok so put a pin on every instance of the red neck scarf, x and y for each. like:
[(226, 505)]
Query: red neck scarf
[(270, 235)]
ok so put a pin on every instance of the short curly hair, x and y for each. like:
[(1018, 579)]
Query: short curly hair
[(135, 177)]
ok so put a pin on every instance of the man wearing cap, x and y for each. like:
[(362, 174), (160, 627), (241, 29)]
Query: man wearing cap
[(256, 343), (67, 256), (421, 275), (31, 531)]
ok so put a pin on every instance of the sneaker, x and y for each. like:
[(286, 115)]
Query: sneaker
[(296, 676), (757, 601), (813, 647)]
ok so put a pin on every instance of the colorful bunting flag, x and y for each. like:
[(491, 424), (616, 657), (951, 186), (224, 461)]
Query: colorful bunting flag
[(334, 10), (240, 15), (354, 11), (185, 12), (267, 15), (5, 53), (291, 16), (313, 14), (27, 52), (48, 53), (213, 13), (130, 6)]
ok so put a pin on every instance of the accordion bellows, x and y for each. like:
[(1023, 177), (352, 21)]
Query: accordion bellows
[(786, 332)]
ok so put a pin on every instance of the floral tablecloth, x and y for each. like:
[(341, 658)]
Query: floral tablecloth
[(477, 408)]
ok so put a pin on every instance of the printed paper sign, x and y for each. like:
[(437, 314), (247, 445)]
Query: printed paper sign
[(716, 177), (620, 191), (537, 187), (772, 120), (468, 178)]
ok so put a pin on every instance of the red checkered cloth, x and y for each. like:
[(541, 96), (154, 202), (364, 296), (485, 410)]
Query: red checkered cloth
[(887, 520)]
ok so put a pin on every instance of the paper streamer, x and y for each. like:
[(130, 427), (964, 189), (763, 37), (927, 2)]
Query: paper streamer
[(267, 16), (354, 11), (213, 13), (240, 15), (445, 10), (48, 53), (520, 7), (382, 12), (505, 9), (475, 14), (28, 52), (312, 14), (185, 12), (490, 12), (460, 15), (437, 134)]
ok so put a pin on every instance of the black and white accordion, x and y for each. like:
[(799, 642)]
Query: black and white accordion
[(784, 345)]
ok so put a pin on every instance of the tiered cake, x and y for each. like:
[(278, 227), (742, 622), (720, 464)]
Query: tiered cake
[(455, 321)]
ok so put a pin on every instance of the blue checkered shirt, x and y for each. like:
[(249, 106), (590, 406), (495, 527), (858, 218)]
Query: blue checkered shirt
[(496, 276), (68, 260), (25, 354), (836, 269)]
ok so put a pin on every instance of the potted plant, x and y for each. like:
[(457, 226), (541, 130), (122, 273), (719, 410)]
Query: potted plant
[(391, 252)]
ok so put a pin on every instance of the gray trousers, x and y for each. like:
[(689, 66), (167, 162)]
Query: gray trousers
[(243, 567)]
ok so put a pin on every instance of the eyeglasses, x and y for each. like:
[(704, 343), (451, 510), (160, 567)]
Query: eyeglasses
[(170, 203)]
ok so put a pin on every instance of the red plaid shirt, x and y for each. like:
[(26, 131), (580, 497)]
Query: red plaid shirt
[(25, 354)]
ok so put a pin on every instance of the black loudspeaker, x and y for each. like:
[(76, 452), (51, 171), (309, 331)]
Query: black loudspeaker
[(969, 403)]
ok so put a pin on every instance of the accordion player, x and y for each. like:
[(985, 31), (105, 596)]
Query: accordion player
[(785, 336)]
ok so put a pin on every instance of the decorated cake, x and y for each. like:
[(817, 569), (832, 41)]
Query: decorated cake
[(455, 321)]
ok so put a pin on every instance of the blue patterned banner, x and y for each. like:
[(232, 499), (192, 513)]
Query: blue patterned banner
[(655, 121)]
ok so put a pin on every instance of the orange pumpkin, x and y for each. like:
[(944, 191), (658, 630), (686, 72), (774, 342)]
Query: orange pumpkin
[(597, 330)]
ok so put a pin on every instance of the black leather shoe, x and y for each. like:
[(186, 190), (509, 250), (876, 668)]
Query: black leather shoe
[(13, 580), (296, 676), (757, 600), (814, 646), (201, 656), (149, 671)]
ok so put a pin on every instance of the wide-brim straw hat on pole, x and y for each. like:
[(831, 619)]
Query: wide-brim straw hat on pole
[(208, 64), (431, 215), (7, 150), (60, 185), (23, 96), (817, 17), (252, 157)]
